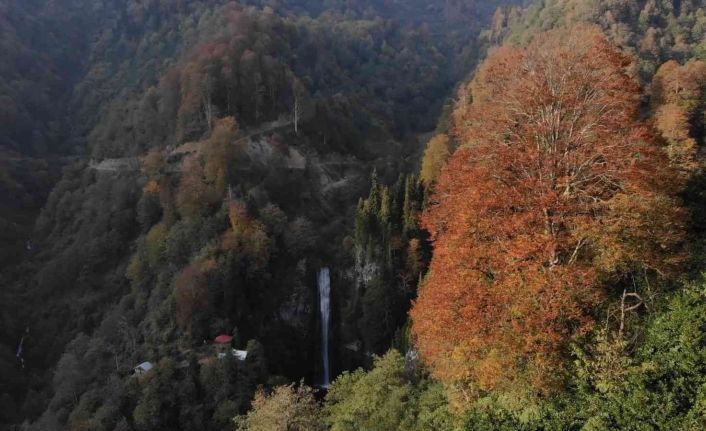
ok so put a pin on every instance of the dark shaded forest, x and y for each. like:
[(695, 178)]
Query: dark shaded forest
[(176, 171)]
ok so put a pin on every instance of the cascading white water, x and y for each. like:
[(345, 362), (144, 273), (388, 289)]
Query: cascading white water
[(325, 309)]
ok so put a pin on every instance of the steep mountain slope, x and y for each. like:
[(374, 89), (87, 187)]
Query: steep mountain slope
[(491, 298), (231, 143), (493, 294)]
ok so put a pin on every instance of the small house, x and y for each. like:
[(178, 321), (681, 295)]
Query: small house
[(240, 355), (223, 343), (143, 368)]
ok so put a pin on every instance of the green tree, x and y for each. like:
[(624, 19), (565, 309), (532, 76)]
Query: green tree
[(374, 401), (287, 408), (391, 396), (158, 404)]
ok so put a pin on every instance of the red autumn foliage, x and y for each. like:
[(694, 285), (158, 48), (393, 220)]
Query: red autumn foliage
[(555, 189)]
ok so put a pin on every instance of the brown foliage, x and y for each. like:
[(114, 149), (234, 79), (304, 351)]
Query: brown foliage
[(247, 236), (556, 188), (166, 201), (194, 195), (684, 85), (205, 177), (191, 296), (153, 163), (218, 154)]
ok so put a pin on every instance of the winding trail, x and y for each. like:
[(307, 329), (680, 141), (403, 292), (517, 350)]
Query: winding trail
[(133, 164)]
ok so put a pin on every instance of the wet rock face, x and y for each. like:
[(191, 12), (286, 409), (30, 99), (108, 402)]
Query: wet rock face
[(296, 310), (367, 272)]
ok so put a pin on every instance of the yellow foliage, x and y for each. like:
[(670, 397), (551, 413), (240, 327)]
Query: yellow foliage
[(673, 123), (154, 243), (136, 268), (677, 94), (247, 235), (238, 216), (437, 153), (152, 186)]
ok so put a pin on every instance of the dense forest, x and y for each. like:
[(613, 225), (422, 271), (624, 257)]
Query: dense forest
[(509, 197)]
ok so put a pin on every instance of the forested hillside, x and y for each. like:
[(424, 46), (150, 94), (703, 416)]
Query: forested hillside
[(654, 30), (474, 215), (564, 202), (174, 171)]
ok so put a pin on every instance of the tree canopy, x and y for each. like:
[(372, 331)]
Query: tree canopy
[(556, 188)]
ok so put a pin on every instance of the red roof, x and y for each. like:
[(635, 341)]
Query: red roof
[(223, 339)]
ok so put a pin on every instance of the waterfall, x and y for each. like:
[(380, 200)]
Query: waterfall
[(325, 309)]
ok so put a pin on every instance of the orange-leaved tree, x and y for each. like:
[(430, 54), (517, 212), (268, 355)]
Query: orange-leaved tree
[(678, 104), (556, 189)]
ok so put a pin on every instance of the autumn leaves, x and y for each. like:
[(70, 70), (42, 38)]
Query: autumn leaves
[(556, 190)]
